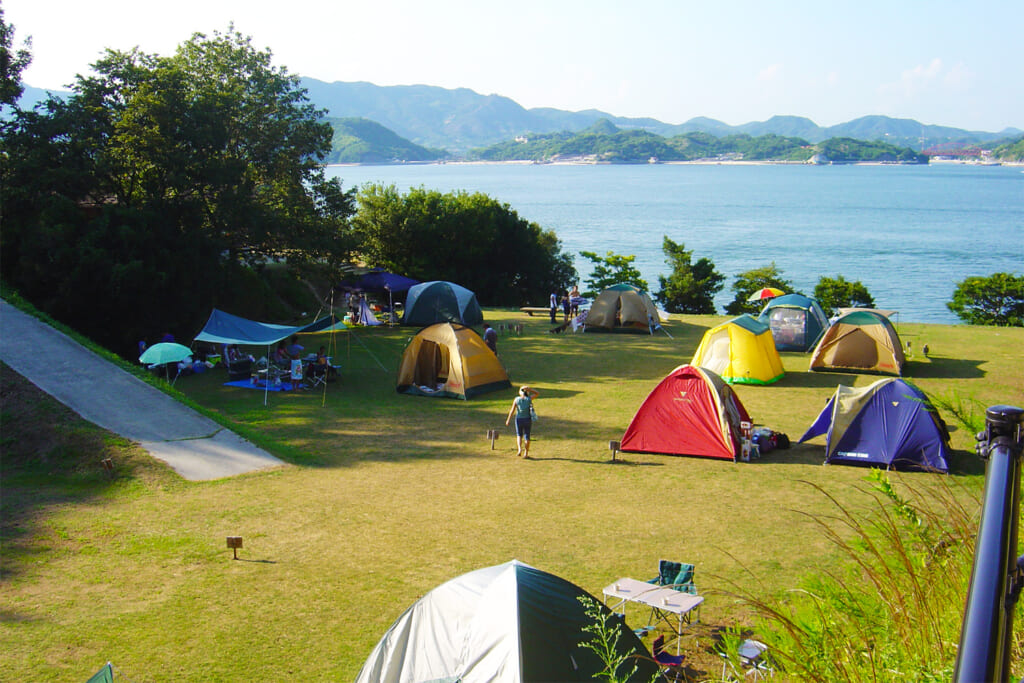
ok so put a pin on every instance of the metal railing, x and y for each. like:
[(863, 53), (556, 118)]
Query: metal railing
[(998, 574)]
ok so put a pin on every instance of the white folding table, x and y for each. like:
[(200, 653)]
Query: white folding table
[(664, 601)]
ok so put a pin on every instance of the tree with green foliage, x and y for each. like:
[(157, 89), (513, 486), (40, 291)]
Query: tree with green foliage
[(143, 197), (690, 287), (466, 238), (994, 300), (611, 269), (12, 63), (748, 282), (838, 292)]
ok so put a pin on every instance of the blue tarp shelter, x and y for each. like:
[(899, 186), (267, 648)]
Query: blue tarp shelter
[(224, 328), (887, 424)]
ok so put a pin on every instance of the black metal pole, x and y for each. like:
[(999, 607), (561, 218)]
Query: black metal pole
[(984, 652)]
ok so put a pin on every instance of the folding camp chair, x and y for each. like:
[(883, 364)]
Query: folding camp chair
[(675, 575), (669, 663), (753, 657), (318, 374)]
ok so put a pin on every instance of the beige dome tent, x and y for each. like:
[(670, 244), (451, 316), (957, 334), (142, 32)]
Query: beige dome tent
[(622, 306), (860, 341), (451, 360)]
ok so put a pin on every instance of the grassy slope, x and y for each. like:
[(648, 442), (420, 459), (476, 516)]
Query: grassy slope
[(391, 495)]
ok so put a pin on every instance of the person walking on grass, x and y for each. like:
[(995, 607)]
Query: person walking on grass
[(522, 407)]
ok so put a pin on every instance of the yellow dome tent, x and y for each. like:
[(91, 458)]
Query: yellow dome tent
[(451, 360), (740, 351)]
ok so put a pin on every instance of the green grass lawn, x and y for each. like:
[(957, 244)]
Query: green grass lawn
[(386, 496)]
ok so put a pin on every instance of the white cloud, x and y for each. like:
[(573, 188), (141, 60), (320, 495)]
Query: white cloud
[(959, 76), (914, 81), (770, 73)]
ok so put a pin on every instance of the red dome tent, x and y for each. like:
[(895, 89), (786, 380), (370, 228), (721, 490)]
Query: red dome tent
[(691, 412)]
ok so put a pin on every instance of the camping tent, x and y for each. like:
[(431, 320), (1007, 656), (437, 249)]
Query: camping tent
[(438, 302), (449, 360), (622, 306), (691, 412), (797, 321), (860, 341), (889, 423), (509, 622), (740, 351)]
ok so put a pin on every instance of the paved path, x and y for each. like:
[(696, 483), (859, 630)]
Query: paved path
[(195, 446)]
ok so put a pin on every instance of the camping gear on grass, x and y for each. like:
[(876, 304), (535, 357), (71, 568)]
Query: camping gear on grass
[(450, 360), (740, 351), (797, 321), (860, 341), (889, 423), (622, 306), (509, 622), (440, 302), (691, 412)]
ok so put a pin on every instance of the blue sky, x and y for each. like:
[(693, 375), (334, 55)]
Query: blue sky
[(946, 63)]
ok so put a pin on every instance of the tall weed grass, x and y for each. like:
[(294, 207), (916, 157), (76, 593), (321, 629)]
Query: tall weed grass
[(893, 613)]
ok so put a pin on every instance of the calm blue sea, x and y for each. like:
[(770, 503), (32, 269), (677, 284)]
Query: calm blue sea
[(909, 233)]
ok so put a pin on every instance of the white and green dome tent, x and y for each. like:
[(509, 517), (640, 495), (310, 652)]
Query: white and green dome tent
[(509, 622)]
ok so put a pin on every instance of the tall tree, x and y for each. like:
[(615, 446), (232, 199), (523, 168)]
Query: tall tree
[(748, 282), (467, 238), (12, 63), (837, 292), (166, 175), (611, 269), (690, 287), (994, 300)]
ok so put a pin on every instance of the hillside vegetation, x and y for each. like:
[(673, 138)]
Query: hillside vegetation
[(361, 141), (604, 142)]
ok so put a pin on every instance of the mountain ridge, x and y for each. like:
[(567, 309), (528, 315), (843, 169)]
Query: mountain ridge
[(460, 119)]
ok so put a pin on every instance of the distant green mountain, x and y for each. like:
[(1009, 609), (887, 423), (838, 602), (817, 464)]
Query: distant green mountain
[(459, 120), (361, 141)]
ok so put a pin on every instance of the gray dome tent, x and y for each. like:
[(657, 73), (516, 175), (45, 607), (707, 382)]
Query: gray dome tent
[(509, 622)]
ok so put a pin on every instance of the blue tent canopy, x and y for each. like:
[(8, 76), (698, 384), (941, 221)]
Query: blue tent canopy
[(889, 423), (224, 328), (378, 280)]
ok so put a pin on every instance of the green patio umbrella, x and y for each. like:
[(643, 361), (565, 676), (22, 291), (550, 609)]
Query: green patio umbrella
[(163, 354)]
